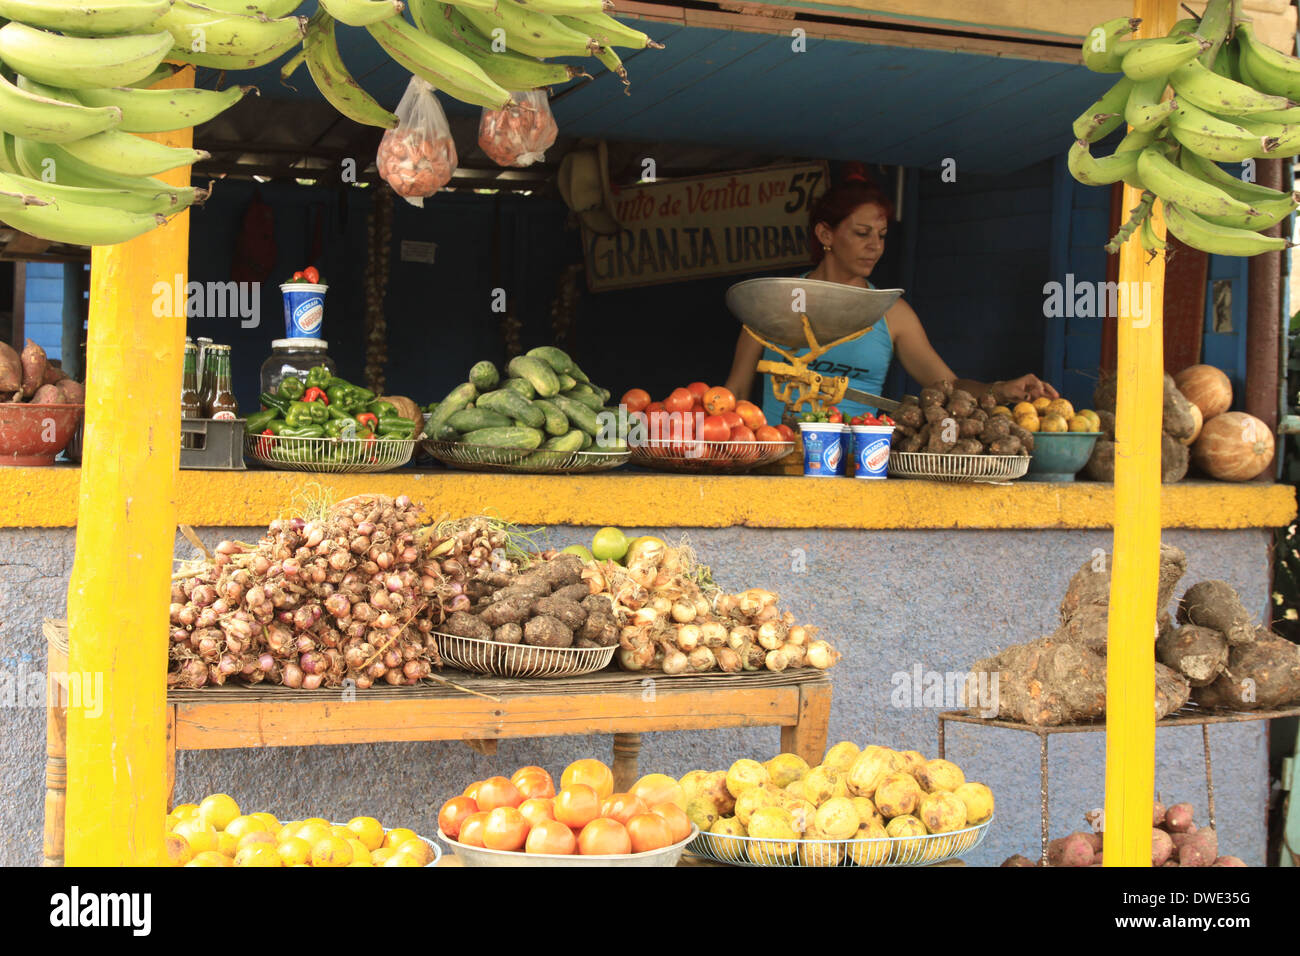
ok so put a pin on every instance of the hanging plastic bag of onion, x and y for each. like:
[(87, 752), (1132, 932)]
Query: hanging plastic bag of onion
[(418, 157), (519, 135)]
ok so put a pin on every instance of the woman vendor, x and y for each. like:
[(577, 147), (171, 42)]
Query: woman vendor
[(847, 236)]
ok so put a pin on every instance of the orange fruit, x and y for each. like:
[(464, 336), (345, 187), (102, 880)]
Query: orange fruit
[(258, 854), (178, 850), (218, 810), (240, 826), (678, 822), (604, 837), (622, 807), (331, 851), (506, 829), (368, 830), (551, 836), (294, 850), (536, 810), (591, 772), (210, 858), (399, 835), (576, 806), (649, 831), (471, 830)]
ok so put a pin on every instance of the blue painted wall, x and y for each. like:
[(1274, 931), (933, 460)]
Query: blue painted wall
[(43, 316)]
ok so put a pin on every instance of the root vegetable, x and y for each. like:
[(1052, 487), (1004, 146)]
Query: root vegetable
[(821, 655), (600, 629), (33, 361), (512, 611), (1072, 850), (1215, 604), (675, 662), (1158, 812), (1178, 818), (1199, 653), (1229, 861), (572, 615), (688, 637), (771, 635), (1162, 847), (729, 661), (713, 634), (702, 659), (464, 624), (1199, 849), (776, 661), (547, 631), (1264, 674), (508, 634)]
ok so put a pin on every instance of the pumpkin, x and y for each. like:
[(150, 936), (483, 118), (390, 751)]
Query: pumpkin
[(1196, 417), (1207, 388), (1233, 446)]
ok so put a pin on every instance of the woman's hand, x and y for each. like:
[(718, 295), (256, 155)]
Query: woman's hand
[(1026, 388)]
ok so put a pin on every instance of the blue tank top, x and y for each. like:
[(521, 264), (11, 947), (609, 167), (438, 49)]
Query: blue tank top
[(865, 361)]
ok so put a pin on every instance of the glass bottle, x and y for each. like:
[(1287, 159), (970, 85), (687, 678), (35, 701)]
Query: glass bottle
[(224, 407), (191, 406)]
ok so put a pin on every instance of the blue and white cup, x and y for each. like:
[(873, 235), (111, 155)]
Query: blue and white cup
[(824, 450), (304, 309), (871, 450)]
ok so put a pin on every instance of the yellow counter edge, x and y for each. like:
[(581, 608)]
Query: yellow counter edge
[(47, 498)]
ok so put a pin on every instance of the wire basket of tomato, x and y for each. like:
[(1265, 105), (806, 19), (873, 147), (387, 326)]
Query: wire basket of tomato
[(702, 429)]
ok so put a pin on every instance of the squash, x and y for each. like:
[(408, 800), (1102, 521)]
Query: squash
[(1207, 388), (1233, 446), (1196, 417)]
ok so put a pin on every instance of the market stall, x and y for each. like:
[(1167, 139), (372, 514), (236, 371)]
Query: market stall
[(877, 564)]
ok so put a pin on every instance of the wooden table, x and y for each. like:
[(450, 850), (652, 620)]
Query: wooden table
[(623, 704)]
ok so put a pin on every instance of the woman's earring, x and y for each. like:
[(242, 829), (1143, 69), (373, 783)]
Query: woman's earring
[(825, 248)]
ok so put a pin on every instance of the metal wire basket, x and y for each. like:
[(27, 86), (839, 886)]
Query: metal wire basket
[(437, 850), (481, 856), (521, 660), (890, 851), (333, 455), (540, 461), (936, 467), (713, 457)]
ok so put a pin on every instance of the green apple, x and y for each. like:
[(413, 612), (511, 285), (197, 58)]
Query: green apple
[(580, 550), (609, 544)]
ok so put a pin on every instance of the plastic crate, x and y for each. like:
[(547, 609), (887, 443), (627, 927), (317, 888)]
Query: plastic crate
[(217, 445)]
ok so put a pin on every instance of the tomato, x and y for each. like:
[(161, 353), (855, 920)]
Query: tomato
[(537, 809), (679, 401), (835, 416), (454, 813), (741, 433), (751, 415), (622, 807), (472, 827), (533, 782), (718, 400), (311, 275), (498, 792), (678, 822), (714, 428), (698, 389), (591, 772), (732, 419), (767, 433), (698, 409), (472, 790), (654, 407), (551, 836), (635, 400), (506, 829), (604, 837), (886, 420), (649, 831), (297, 275), (577, 805), (787, 433), (656, 788)]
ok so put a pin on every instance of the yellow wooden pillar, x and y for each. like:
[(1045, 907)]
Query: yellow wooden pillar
[(1130, 669), (126, 527)]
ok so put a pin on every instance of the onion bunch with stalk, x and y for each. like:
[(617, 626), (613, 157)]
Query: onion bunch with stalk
[(353, 591), (673, 619)]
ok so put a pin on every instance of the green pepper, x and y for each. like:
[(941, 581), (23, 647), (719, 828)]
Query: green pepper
[(340, 394), (275, 401), (307, 413), (396, 427), (336, 412), (256, 423), (382, 410), (319, 377), (292, 388), (302, 431), (336, 427), (275, 426), (364, 396)]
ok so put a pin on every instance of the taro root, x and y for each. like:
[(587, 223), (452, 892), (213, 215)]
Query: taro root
[(1172, 690), (932, 396), (570, 613), (508, 634), (995, 429), (464, 624), (1262, 675), (968, 446), (1215, 604), (1101, 464), (969, 427), (573, 592), (1103, 396), (937, 444), (910, 415), (936, 414), (1198, 653), (1174, 456), (600, 629), (987, 402), (1087, 627), (1006, 446), (1025, 436), (560, 571), (546, 631), (526, 587), (1107, 420), (514, 610), (598, 604), (910, 443), (1177, 420)]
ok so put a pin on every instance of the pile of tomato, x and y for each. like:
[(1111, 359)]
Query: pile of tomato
[(834, 416), (702, 413), (586, 817)]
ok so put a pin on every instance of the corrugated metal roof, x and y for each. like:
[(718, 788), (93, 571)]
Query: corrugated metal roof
[(751, 91)]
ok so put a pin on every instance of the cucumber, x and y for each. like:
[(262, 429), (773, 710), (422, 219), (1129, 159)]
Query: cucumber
[(510, 437), (458, 398), (508, 402), (579, 374), (578, 413), (484, 376), (540, 375), (566, 381), (557, 359), (557, 423), (572, 441), (586, 439), (521, 386), (587, 396), (472, 419)]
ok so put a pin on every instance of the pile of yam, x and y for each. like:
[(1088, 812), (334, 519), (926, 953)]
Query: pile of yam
[(1179, 427), (947, 420)]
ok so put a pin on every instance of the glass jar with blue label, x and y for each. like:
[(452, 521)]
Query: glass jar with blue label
[(294, 357)]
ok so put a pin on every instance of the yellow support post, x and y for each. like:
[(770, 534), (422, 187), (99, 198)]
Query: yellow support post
[(1130, 661), (126, 528)]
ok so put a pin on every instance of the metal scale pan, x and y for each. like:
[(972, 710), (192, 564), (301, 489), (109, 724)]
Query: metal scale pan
[(834, 310)]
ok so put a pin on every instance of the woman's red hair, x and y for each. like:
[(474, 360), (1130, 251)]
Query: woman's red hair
[(838, 203)]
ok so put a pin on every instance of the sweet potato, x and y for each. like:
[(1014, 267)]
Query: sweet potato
[(33, 359), (1094, 840), (572, 614), (1215, 604), (1198, 653), (48, 395), (508, 634), (1178, 818), (53, 373), (546, 631), (1072, 850), (464, 624), (1162, 847), (1259, 676), (1229, 861), (514, 610), (11, 369), (1158, 811), (1199, 849), (1018, 860)]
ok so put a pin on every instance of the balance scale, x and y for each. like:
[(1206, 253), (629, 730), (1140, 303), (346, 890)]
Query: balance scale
[(785, 314)]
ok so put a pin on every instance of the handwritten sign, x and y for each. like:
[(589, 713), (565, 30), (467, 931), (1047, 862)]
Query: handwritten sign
[(676, 230)]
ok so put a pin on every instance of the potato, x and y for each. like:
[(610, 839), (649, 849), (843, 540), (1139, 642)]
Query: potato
[(464, 624), (33, 359), (1178, 818), (1200, 849), (508, 634), (11, 369), (1072, 850), (1018, 860), (546, 631), (1162, 847), (1229, 861)]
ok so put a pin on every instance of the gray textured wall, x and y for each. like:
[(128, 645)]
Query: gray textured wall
[(889, 600)]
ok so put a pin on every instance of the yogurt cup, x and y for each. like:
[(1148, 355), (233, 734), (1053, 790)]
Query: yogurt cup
[(304, 309), (824, 450), (871, 450)]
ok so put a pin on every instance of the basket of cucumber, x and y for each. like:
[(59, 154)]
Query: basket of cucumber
[(543, 417)]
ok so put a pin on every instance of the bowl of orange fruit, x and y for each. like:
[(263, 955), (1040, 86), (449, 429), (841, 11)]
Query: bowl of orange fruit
[(525, 820), (215, 832)]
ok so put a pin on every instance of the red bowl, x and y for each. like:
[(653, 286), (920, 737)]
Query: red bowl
[(34, 434)]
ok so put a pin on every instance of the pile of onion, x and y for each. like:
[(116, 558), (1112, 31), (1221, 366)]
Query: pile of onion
[(354, 596)]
